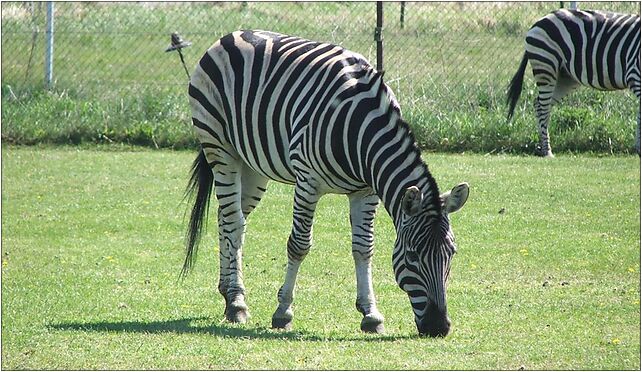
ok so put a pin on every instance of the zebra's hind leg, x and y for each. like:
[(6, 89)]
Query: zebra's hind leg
[(564, 85), (552, 84), (253, 186), (543, 110), (231, 230), (298, 246), (362, 214)]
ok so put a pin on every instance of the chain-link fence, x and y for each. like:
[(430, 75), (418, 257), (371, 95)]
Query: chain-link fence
[(102, 48), (455, 53)]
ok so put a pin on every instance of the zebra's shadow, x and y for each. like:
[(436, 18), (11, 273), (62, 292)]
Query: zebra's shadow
[(205, 325)]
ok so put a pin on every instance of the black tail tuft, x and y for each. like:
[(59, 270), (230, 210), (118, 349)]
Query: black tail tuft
[(201, 182), (515, 87)]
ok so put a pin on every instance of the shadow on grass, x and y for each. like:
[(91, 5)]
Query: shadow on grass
[(189, 326)]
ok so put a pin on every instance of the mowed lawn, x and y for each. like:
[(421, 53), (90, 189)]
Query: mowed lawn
[(547, 275)]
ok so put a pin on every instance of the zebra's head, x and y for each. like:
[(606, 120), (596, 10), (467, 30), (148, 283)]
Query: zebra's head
[(425, 246)]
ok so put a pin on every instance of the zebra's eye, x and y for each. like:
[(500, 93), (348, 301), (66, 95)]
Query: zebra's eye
[(412, 256)]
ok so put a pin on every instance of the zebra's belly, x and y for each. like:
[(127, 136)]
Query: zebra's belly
[(274, 165), (317, 166), (300, 168), (281, 177)]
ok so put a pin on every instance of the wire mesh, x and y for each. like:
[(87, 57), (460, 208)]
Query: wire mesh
[(437, 52)]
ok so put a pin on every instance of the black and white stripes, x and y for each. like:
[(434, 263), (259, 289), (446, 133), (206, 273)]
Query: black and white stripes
[(267, 106), (568, 48)]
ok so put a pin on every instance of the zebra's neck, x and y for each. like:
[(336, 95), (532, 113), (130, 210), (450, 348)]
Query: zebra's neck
[(396, 166)]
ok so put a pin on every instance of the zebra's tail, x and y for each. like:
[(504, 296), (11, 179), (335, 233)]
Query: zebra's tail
[(199, 189), (515, 87)]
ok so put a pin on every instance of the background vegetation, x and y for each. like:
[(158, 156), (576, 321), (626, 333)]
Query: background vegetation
[(546, 277), (448, 63)]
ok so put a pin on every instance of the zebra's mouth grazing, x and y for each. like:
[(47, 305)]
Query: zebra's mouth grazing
[(435, 323)]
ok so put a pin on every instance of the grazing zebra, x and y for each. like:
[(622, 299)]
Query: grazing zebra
[(267, 106), (571, 47)]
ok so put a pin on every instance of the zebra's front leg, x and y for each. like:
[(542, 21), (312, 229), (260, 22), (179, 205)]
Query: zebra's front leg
[(231, 230), (299, 243), (362, 214)]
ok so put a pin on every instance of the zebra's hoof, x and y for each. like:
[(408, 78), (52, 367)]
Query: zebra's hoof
[(237, 313), (372, 323), (283, 320), (540, 151), (545, 154), (282, 323)]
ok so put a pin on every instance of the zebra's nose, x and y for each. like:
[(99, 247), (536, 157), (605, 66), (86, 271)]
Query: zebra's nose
[(435, 323)]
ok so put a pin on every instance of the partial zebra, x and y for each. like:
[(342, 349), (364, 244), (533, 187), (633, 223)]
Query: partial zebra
[(267, 106), (572, 47)]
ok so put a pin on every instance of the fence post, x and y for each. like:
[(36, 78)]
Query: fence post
[(379, 35), (402, 14), (573, 5), (50, 46)]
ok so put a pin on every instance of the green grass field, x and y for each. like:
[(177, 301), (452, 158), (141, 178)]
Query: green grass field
[(92, 247)]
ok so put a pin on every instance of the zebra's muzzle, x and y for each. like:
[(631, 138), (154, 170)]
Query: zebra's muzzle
[(435, 322)]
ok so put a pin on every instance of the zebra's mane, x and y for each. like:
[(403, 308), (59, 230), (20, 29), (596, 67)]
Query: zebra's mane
[(430, 190)]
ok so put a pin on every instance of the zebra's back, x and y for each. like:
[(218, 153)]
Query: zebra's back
[(267, 96)]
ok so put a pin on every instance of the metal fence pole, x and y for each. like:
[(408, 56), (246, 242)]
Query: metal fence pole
[(379, 35), (50, 45), (573, 5)]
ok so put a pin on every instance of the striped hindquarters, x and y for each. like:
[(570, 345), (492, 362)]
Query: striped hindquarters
[(594, 48)]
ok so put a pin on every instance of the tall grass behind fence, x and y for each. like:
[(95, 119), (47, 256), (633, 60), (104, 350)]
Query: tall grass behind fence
[(448, 63)]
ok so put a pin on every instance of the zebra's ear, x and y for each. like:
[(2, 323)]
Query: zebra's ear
[(411, 202), (453, 200)]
